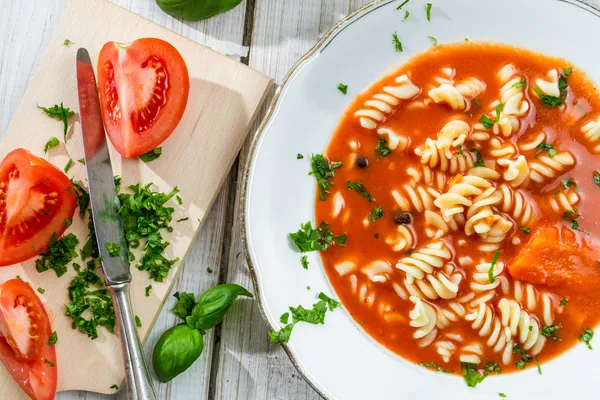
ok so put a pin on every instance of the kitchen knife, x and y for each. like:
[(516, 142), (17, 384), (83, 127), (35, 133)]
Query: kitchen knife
[(108, 227)]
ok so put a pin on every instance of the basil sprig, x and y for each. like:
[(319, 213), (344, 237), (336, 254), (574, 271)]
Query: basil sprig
[(179, 347)]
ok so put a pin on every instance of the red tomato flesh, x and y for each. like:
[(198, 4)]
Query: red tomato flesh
[(24, 333), (35, 199), (144, 87)]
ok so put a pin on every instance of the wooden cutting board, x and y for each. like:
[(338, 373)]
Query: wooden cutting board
[(223, 101)]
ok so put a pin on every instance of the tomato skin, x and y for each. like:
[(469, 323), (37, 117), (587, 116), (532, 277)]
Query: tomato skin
[(36, 198), (143, 88), (36, 376)]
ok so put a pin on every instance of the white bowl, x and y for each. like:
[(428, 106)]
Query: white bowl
[(338, 359)]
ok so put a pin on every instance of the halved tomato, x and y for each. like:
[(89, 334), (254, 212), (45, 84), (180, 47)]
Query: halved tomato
[(144, 87), (35, 200), (24, 333)]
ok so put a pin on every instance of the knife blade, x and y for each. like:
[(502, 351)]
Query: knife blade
[(103, 194)]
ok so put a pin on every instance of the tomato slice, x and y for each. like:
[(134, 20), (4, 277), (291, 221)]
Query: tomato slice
[(24, 333), (144, 87), (35, 199)]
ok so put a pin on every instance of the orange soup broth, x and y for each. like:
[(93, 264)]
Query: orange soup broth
[(582, 283)]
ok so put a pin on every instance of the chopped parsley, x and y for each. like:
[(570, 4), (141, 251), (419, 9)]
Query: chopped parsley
[(359, 188), (382, 149), (299, 156), (284, 318), (435, 367), (81, 161), (502, 395), (574, 225), (525, 358), (471, 374), (564, 302), (304, 262), (519, 84), (402, 5), (68, 222), (434, 41), (309, 239), (116, 387), (567, 183), (486, 121), (68, 166), (377, 213), (113, 249), (596, 178), (182, 219), (406, 15), (59, 254), (526, 230), (553, 101), (477, 103), (342, 88), (41, 290), (89, 297), (323, 172), (396, 42), (53, 339), (492, 265), (209, 270), (316, 315), (478, 158), (567, 71), (138, 322), (539, 366), (587, 337), (60, 113), (83, 198), (148, 289), (491, 366), (151, 155), (460, 150), (144, 215), (52, 142), (66, 42), (550, 330), (546, 147), (428, 11), (50, 363)]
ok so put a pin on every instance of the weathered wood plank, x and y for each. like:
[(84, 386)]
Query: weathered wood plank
[(25, 30), (250, 367)]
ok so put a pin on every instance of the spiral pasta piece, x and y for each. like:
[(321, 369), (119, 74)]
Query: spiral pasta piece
[(460, 194), (377, 271), (440, 284), (480, 215), (427, 176), (532, 142), (425, 260), (436, 226), (501, 149), (562, 202), (591, 131), (446, 93), (517, 172), (550, 86), (512, 94), (453, 312), (395, 140), (531, 299), (496, 234), (419, 198), (471, 87), (481, 277), (404, 238), (434, 158), (522, 325), (471, 354), (423, 317), (383, 104), (545, 168), (490, 327), (452, 135), (516, 204), (445, 349)]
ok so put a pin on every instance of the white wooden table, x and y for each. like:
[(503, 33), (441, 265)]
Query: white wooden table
[(238, 361)]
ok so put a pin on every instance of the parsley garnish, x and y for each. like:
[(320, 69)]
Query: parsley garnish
[(477, 103), (524, 356), (471, 374), (460, 151), (550, 330), (382, 149), (67, 42), (53, 142), (596, 179), (526, 230), (282, 335), (478, 159), (402, 5), (81, 161), (304, 262), (182, 219), (502, 395), (434, 41), (285, 317), (553, 101), (486, 121), (68, 222), (406, 14), (151, 155), (309, 239), (68, 166), (546, 147), (539, 366), (567, 71), (209, 270), (138, 322), (299, 156), (359, 188), (50, 363), (342, 88), (428, 11), (519, 84), (116, 387), (323, 172), (83, 198), (41, 290), (491, 366), (53, 339), (567, 183), (396, 42), (377, 213), (574, 225), (59, 254), (148, 289), (60, 113), (435, 367), (492, 265), (587, 337), (144, 215), (96, 304), (113, 249), (564, 302)]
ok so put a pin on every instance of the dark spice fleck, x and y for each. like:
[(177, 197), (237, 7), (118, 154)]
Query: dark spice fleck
[(362, 162), (402, 218)]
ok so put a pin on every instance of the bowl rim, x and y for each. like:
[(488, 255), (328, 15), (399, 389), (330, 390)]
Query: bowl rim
[(278, 98)]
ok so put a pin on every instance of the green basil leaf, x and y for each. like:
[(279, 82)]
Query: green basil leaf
[(196, 9), (213, 305), (176, 351)]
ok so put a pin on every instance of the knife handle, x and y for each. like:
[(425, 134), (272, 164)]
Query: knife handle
[(139, 383)]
